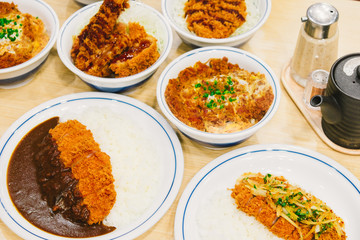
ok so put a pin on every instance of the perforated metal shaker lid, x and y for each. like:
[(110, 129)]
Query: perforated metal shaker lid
[(321, 20)]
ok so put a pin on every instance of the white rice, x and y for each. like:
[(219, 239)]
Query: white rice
[(218, 218), (136, 164), (252, 18)]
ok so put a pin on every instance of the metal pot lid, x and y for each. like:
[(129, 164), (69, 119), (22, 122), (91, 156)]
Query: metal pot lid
[(345, 73)]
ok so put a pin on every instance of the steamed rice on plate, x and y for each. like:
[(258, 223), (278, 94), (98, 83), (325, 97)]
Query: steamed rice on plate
[(218, 218), (260, 192), (252, 16), (118, 131), (266, 206), (97, 171)]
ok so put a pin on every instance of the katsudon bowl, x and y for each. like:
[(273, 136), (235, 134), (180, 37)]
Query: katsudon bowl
[(18, 75), (245, 61), (154, 23), (257, 13)]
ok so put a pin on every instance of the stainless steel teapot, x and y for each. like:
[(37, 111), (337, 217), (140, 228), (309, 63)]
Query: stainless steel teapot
[(340, 104)]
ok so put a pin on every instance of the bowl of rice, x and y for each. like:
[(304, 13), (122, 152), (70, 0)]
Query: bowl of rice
[(254, 13), (150, 19), (210, 112), (15, 72)]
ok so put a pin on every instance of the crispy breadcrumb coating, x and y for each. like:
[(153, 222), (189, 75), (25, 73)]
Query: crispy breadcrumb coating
[(90, 166), (214, 18), (218, 96), (108, 48), (267, 198)]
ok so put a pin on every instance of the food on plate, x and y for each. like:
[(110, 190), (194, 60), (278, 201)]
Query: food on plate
[(131, 168), (22, 35), (216, 18), (109, 48), (90, 167), (72, 179), (218, 96), (286, 210)]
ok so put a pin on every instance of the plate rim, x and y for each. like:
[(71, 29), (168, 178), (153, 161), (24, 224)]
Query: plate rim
[(224, 158), (153, 217)]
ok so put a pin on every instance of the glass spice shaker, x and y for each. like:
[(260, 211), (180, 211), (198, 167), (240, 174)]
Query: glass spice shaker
[(315, 85), (317, 44)]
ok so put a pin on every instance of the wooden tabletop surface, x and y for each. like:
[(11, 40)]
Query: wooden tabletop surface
[(274, 43)]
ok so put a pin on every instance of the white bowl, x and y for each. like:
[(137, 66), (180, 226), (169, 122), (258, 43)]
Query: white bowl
[(245, 60), (173, 12), (147, 16), (25, 70)]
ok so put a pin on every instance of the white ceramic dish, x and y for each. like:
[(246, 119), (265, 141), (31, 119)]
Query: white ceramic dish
[(312, 171), (21, 73), (85, 2), (136, 111), (236, 56), (169, 8), (154, 22)]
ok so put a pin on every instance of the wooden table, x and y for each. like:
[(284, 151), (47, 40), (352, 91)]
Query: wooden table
[(274, 43)]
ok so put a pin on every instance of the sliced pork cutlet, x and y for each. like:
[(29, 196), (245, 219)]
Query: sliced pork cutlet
[(93, 48), (286, 213), (140, 54)]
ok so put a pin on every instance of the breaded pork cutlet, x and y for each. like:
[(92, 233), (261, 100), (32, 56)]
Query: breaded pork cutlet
[(287, 211), (140, 53), (109, 48), (90, 167), (215, 18), (97, 45)]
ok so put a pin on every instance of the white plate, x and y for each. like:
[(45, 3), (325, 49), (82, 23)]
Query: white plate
[(140, 114), (315, 173)]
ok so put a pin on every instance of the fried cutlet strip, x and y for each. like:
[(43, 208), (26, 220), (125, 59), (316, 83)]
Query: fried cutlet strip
[(7, 8), (96, 44), (91, 167), (305, 232), (282, 228), (216, 18), (267, 215), (287, 211), (242, 195), (331, 234), (100, 203), (74, 142), (140, 54)]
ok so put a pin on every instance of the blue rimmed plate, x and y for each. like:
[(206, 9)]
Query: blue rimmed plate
[(313, 172), (143, 116)]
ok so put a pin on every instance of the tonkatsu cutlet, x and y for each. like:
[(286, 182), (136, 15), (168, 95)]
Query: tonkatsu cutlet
[(215, 18), (89, 165), (109, 48), (287, 211), (74, 175)]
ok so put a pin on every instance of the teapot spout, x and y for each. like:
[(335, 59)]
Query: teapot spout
[(330, 108)]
